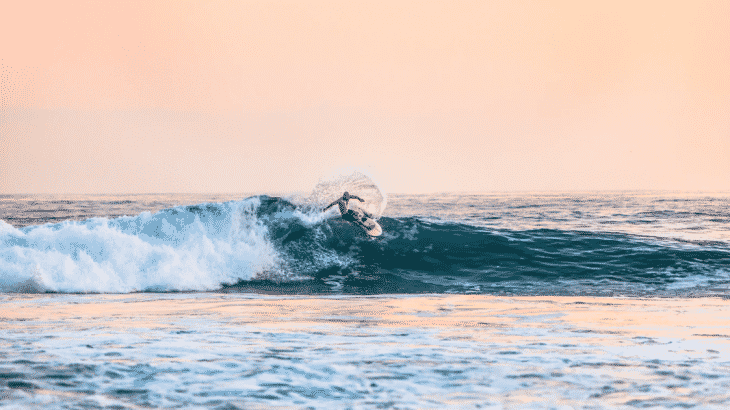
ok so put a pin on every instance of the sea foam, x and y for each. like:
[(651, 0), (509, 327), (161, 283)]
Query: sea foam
[(183, 248)]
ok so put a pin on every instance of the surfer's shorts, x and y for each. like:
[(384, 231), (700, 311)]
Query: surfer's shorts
[(349, 216)]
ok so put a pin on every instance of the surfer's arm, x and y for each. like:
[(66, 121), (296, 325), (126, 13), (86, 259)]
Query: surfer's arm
[(329, 206), (357, 197)]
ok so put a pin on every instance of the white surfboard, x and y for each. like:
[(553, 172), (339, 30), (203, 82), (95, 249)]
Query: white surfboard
[(369, 225)]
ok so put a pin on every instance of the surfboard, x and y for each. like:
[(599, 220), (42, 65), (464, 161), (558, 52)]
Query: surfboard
[(369, 225)]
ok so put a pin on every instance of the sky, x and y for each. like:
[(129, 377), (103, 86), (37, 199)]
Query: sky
[(271, 96)]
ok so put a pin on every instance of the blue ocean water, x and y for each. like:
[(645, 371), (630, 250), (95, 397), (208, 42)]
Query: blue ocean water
[(609, 244), (466, 301)]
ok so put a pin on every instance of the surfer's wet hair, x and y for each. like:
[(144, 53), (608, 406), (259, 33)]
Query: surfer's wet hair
[(346, 194)]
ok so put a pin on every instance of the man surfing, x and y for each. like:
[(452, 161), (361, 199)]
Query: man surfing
[(349, 214), (343, 203), (357, 217)]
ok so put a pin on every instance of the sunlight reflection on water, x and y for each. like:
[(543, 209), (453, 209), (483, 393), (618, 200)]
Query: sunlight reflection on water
[(432, 351)]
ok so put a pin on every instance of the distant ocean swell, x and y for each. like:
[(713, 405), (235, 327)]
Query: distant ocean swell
[(267, 244)]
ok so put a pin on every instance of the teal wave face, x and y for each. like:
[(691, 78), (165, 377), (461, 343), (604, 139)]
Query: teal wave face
[(418, 256)]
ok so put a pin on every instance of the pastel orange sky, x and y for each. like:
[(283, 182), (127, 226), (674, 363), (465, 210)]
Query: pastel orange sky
[(172, 96)]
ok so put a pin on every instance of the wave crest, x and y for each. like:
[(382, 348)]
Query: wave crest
[(184, 248)]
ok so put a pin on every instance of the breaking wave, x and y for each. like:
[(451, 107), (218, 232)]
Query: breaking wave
[(270, 244)]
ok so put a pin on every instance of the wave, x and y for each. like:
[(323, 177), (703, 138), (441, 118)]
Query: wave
[(269, 244)]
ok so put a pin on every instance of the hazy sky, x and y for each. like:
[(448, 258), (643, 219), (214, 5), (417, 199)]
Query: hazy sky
[(270, 96)]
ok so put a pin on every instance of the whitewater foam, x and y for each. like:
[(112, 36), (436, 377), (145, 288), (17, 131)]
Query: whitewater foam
[(182, 248)]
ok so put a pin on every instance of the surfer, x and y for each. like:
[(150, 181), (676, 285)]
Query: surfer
[(356, 216), (343, 203)]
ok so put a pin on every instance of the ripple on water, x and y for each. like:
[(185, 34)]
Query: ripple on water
[(310, 364)]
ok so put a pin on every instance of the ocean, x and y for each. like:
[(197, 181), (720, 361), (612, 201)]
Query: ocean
[(496, 300)]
